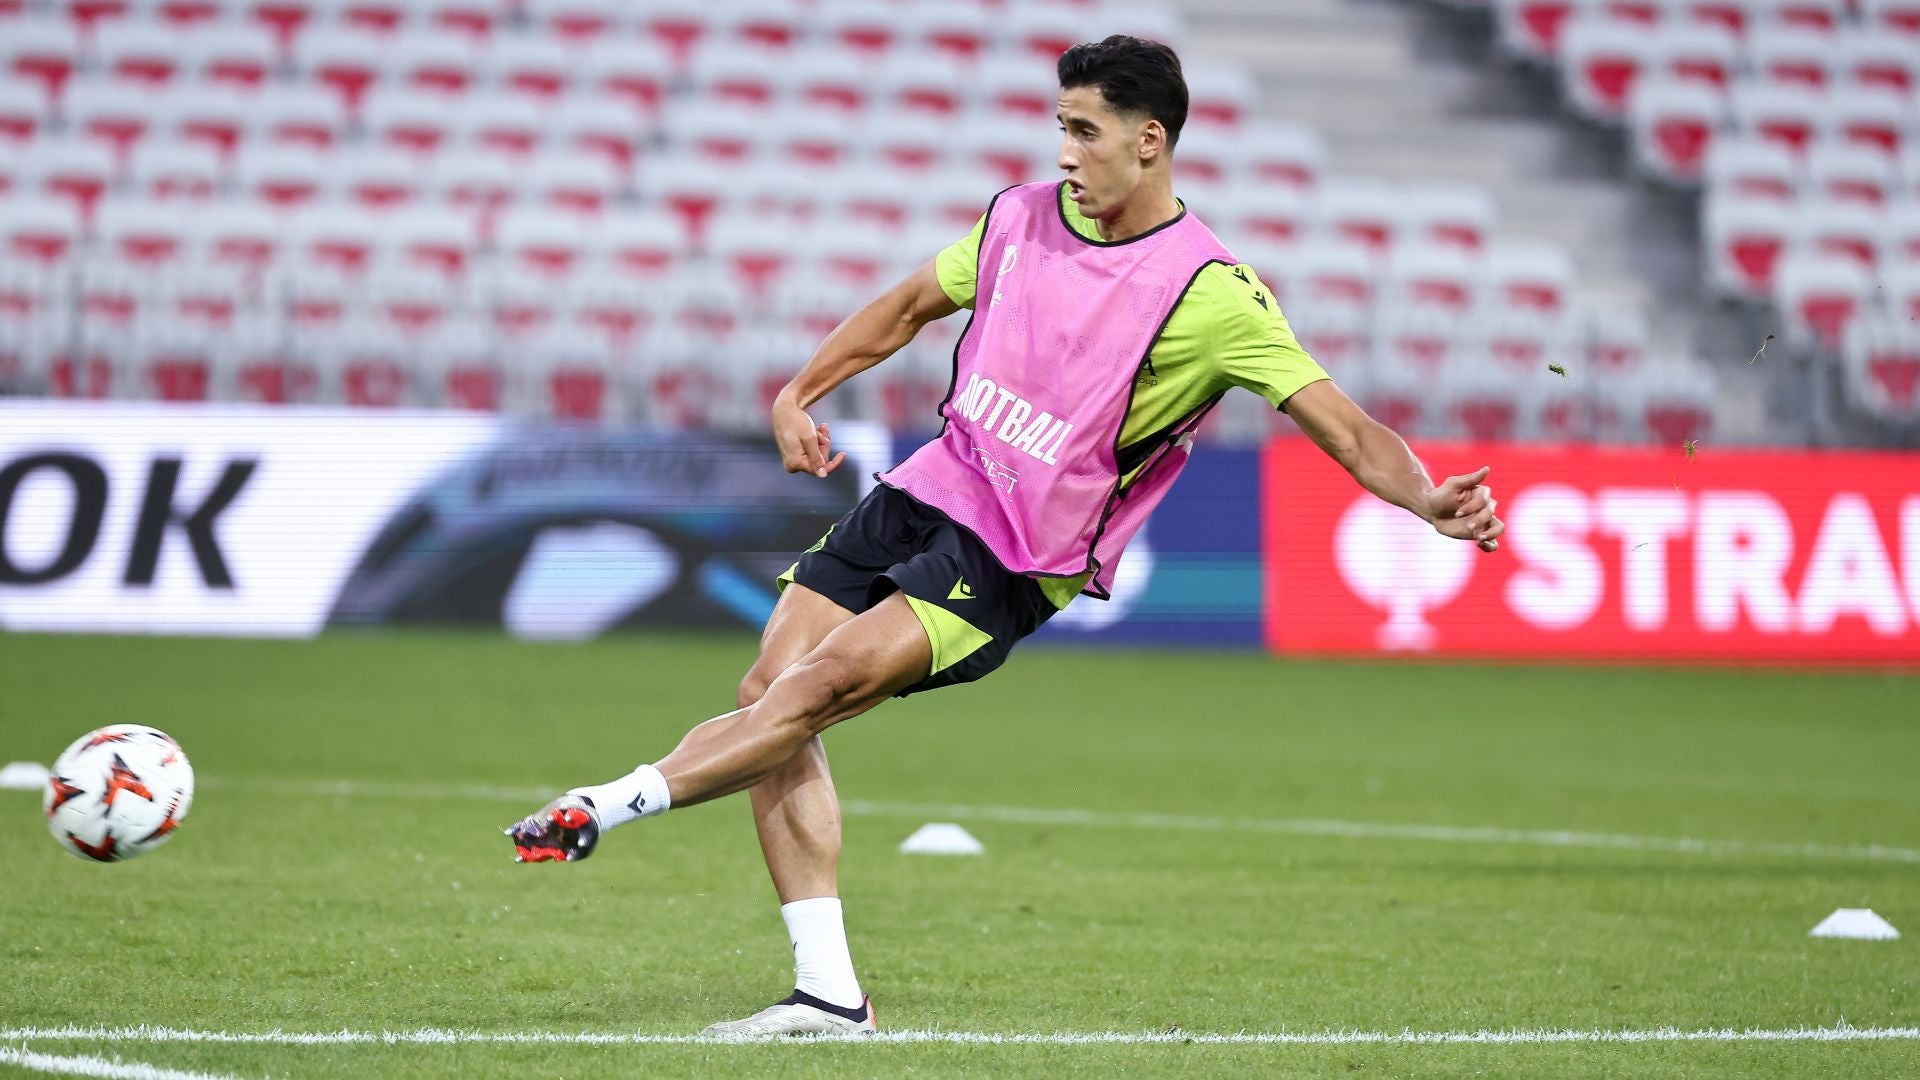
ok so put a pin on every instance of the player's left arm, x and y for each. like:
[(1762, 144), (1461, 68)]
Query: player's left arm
[(1461, 506)]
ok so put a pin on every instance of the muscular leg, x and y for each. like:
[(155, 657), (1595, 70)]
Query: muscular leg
[(795, 810), (855, 667)]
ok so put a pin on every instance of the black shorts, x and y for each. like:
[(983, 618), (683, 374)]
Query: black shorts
[(973, 608)]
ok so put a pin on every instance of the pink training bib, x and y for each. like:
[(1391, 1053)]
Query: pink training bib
[(1029, 458)]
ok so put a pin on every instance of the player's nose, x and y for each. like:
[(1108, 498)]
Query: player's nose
[(1067, 161)]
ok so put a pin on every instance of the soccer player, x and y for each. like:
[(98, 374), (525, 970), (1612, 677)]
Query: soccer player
[(1107, 320)]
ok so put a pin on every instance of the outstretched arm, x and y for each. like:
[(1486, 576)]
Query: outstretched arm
[(1462, 507), (867, 337)]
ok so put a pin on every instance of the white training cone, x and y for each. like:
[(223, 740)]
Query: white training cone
[(1858, 923), (941, 838), (23, 776)]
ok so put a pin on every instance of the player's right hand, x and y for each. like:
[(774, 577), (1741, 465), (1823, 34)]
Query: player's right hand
[(804, 447)]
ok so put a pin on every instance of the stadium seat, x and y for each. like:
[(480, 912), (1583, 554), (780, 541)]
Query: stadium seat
[(471, 20), (138, 53), (377, 180), (1460, 216), (505, 125), (202, 115), (867, 28), (1432, 276), (633, 73), (600, 127), (206, 297), (775, 25), (287, 20), (1899, 17), (385, 18), (480, 185), (434, 240), (1695, 52), (143, 235), (1014, 153), (1791, 58), (1479, 405), (71, 169), (646, 247), (244, 236), (721, 135), (576, 183), (346, 63), (110, 295), (1532, 276), (1600, 60), (812, 308), (1615, 336), (1532, 29), (1753, 168), (1881, 366), (1422, 341), (401, 119), (1016, 88), (334, 239), (539, 68), (1206, 156), (459, 363), (1851, 173), (190, 16), (1675, 403), (1790, 115), (1287, 155), (1220, 95), (677, 27), (166, 171), (956, 198), (116, 116), (1871, 117), (230, 57), (23, 116), (43, 52), (829, 79), (1808, 15), (1820, 296), (723, 76), (920, 87), (1850, 230), (1336, 275), (1522, 341), (433, 63), (296, 116), (410, 304), (281, 178), (960, 32), (1270, 216), (542, 242), (574, 23), (1673, 126), (1361, 212), (357, 369), (84, 366), (1902, 238), (617, 311), (1745, 239), (1401, 401), (172, 362), (806, 138), (840, 252), (1873, 60)]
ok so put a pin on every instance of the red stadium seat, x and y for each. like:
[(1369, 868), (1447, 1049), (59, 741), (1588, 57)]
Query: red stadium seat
[(1041, 32), (1745, 239), (205, 298), (465, 370), (643, 247), (633, 73), (480, 185), (1791, 116), (578, 22), (244, 236), (171, 171), (43, 52), (258, 367), (1902, 238), (85, 368), (1616, 337), (1459, 216), (138, 53), (1875, 118), (771, 24), (304, 116), (829, 79), (1482, 406), (1876, 61), (23, 116), (1015, 154), (677, 26), (1808, 15), (1422, 341), (1675, 404), (333, 239), (281, 178), (199, 115), (1695, 53), (286, 20), (615, 312), (1900, 17), (1880, 361), (1017, 89), (1336, 274), (1848, 230), (111, 296), (174, 364), (1753, 168), (1431, 276), (917, 87), (1600, 62), (77, 171), (1530, 276), (1791, 58), (1851, 173), (402, 120), (143, 235), (1284, 155), (717, 134), (503, 125), (539, 68), (1275, 217), (1674, 127), (433, 63), (1361, 212), (543, 243), (1533, 28), (230, 57), (346, 63), (865, 27), (1820, 296), (470, 20), (116, 116), (726, 76), (378, 180), (1220, 95), (958, 31), (576, 183)]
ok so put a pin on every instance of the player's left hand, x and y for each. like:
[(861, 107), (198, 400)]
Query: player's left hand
[(1462, 507)]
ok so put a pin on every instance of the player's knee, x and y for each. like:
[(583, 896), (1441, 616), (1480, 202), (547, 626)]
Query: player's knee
[(753, 687), (826, 687)]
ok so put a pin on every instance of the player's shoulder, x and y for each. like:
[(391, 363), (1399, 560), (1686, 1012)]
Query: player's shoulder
[(1233, 293)]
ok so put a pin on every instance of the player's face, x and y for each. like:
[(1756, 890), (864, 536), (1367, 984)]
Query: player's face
[(1100, 151)]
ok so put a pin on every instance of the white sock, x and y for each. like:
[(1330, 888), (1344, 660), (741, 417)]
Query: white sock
[(640, 793), (821, 964)]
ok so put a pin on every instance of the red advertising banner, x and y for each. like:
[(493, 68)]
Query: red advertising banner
[(1609, 554)]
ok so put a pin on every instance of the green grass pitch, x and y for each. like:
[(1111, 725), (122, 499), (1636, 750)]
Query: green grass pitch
[(1207, 843)]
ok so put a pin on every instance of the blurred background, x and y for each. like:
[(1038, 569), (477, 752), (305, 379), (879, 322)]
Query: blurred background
[(507, 275)]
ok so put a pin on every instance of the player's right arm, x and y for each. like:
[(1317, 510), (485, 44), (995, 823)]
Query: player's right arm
[(867, 337)]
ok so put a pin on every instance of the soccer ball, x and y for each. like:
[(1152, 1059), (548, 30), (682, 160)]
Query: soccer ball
[(118, 792)]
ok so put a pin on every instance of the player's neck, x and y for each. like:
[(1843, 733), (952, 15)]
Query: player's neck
[(1152, 206)]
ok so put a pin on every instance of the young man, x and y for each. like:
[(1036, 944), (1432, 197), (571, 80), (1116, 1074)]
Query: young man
[(1107, 321)]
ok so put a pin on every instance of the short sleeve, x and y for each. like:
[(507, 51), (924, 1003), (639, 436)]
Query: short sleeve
[(1254, 346), (958, 265)]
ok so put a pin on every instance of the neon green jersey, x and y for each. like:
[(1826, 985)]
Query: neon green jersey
[(1227, 331)]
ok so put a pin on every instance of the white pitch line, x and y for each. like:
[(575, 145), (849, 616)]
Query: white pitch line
[(1504, 1037), (84, 1065), (1103, 819)]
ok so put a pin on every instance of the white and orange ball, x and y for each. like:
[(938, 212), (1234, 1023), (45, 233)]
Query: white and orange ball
[(118, 792)]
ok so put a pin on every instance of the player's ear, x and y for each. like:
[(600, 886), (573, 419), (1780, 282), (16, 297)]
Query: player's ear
[(1152, 140)]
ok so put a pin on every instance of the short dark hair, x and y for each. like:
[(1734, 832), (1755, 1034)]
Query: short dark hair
[(1134, 75)]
